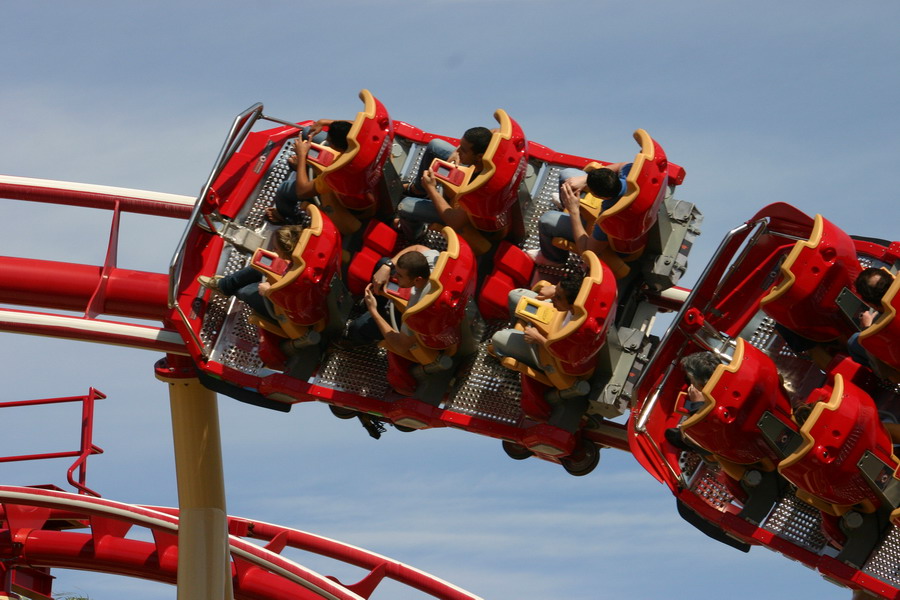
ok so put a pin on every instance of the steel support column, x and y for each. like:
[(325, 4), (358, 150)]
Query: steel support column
[(204, 567)]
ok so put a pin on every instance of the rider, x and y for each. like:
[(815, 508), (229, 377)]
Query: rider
[(522, 345), (607, 183), (424, 203), (412, 267), (247, 283), (298, 186)]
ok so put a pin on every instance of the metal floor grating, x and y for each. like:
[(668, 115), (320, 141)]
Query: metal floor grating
[(544, 197), (884, 563), (798, 522), (233, 340), (706, 485), (361, 371), (238, 347), (217, 305), (255, 217), (483, 388), (414, 158), (486, 389)]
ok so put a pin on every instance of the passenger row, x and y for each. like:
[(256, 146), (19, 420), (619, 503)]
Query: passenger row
[(473, 187), (342, 240)]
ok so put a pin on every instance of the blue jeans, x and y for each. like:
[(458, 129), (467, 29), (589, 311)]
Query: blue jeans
[(286, 201), (415, 213), (511, 342), (436, 148), (244, 283), (554, 223), (363, 329), (857, 352)]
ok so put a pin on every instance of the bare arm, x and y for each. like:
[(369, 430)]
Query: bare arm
[(318, 126), (866, 318), (578, 184), (392, 337), (454, 217), (305, 188), (572, 203), (546, 292), (533, 336)]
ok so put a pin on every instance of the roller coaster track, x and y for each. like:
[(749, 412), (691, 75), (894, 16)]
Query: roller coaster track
[(39, 527)]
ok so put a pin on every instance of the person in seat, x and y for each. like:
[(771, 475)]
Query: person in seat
[(522, 345), (298, 187), (871, 286), (698, 368), (424, 203), (247, 283), (607, 183), (411, 267)]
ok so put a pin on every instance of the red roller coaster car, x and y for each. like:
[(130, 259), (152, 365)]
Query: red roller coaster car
[(454, 382)]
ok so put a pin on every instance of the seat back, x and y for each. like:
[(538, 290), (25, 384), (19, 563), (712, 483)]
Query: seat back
[(488, 198), (512, 269), (572, 348), (841, 428), (379, 241), (803, 299), (354, 174), (300, 295), (882, 338), (629, 220), (736, 396), (436, 318)]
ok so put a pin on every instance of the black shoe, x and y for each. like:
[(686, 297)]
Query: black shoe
[(674, 437)]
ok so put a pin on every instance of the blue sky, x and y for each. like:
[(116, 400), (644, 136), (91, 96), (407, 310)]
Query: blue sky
[(760, 102)]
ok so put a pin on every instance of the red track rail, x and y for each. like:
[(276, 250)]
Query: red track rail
[(96, 196), (92, 290), (31, 535)]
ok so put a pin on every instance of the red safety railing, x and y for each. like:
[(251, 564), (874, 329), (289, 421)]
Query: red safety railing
[(87, 447)]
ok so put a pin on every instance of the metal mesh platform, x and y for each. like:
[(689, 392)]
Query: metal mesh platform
[(706, 485), (798, 522), (255, 217), (544, 197), (481, 388), (486, 389), (884, 563), (226, 329), (239, 346), (361, 371)]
